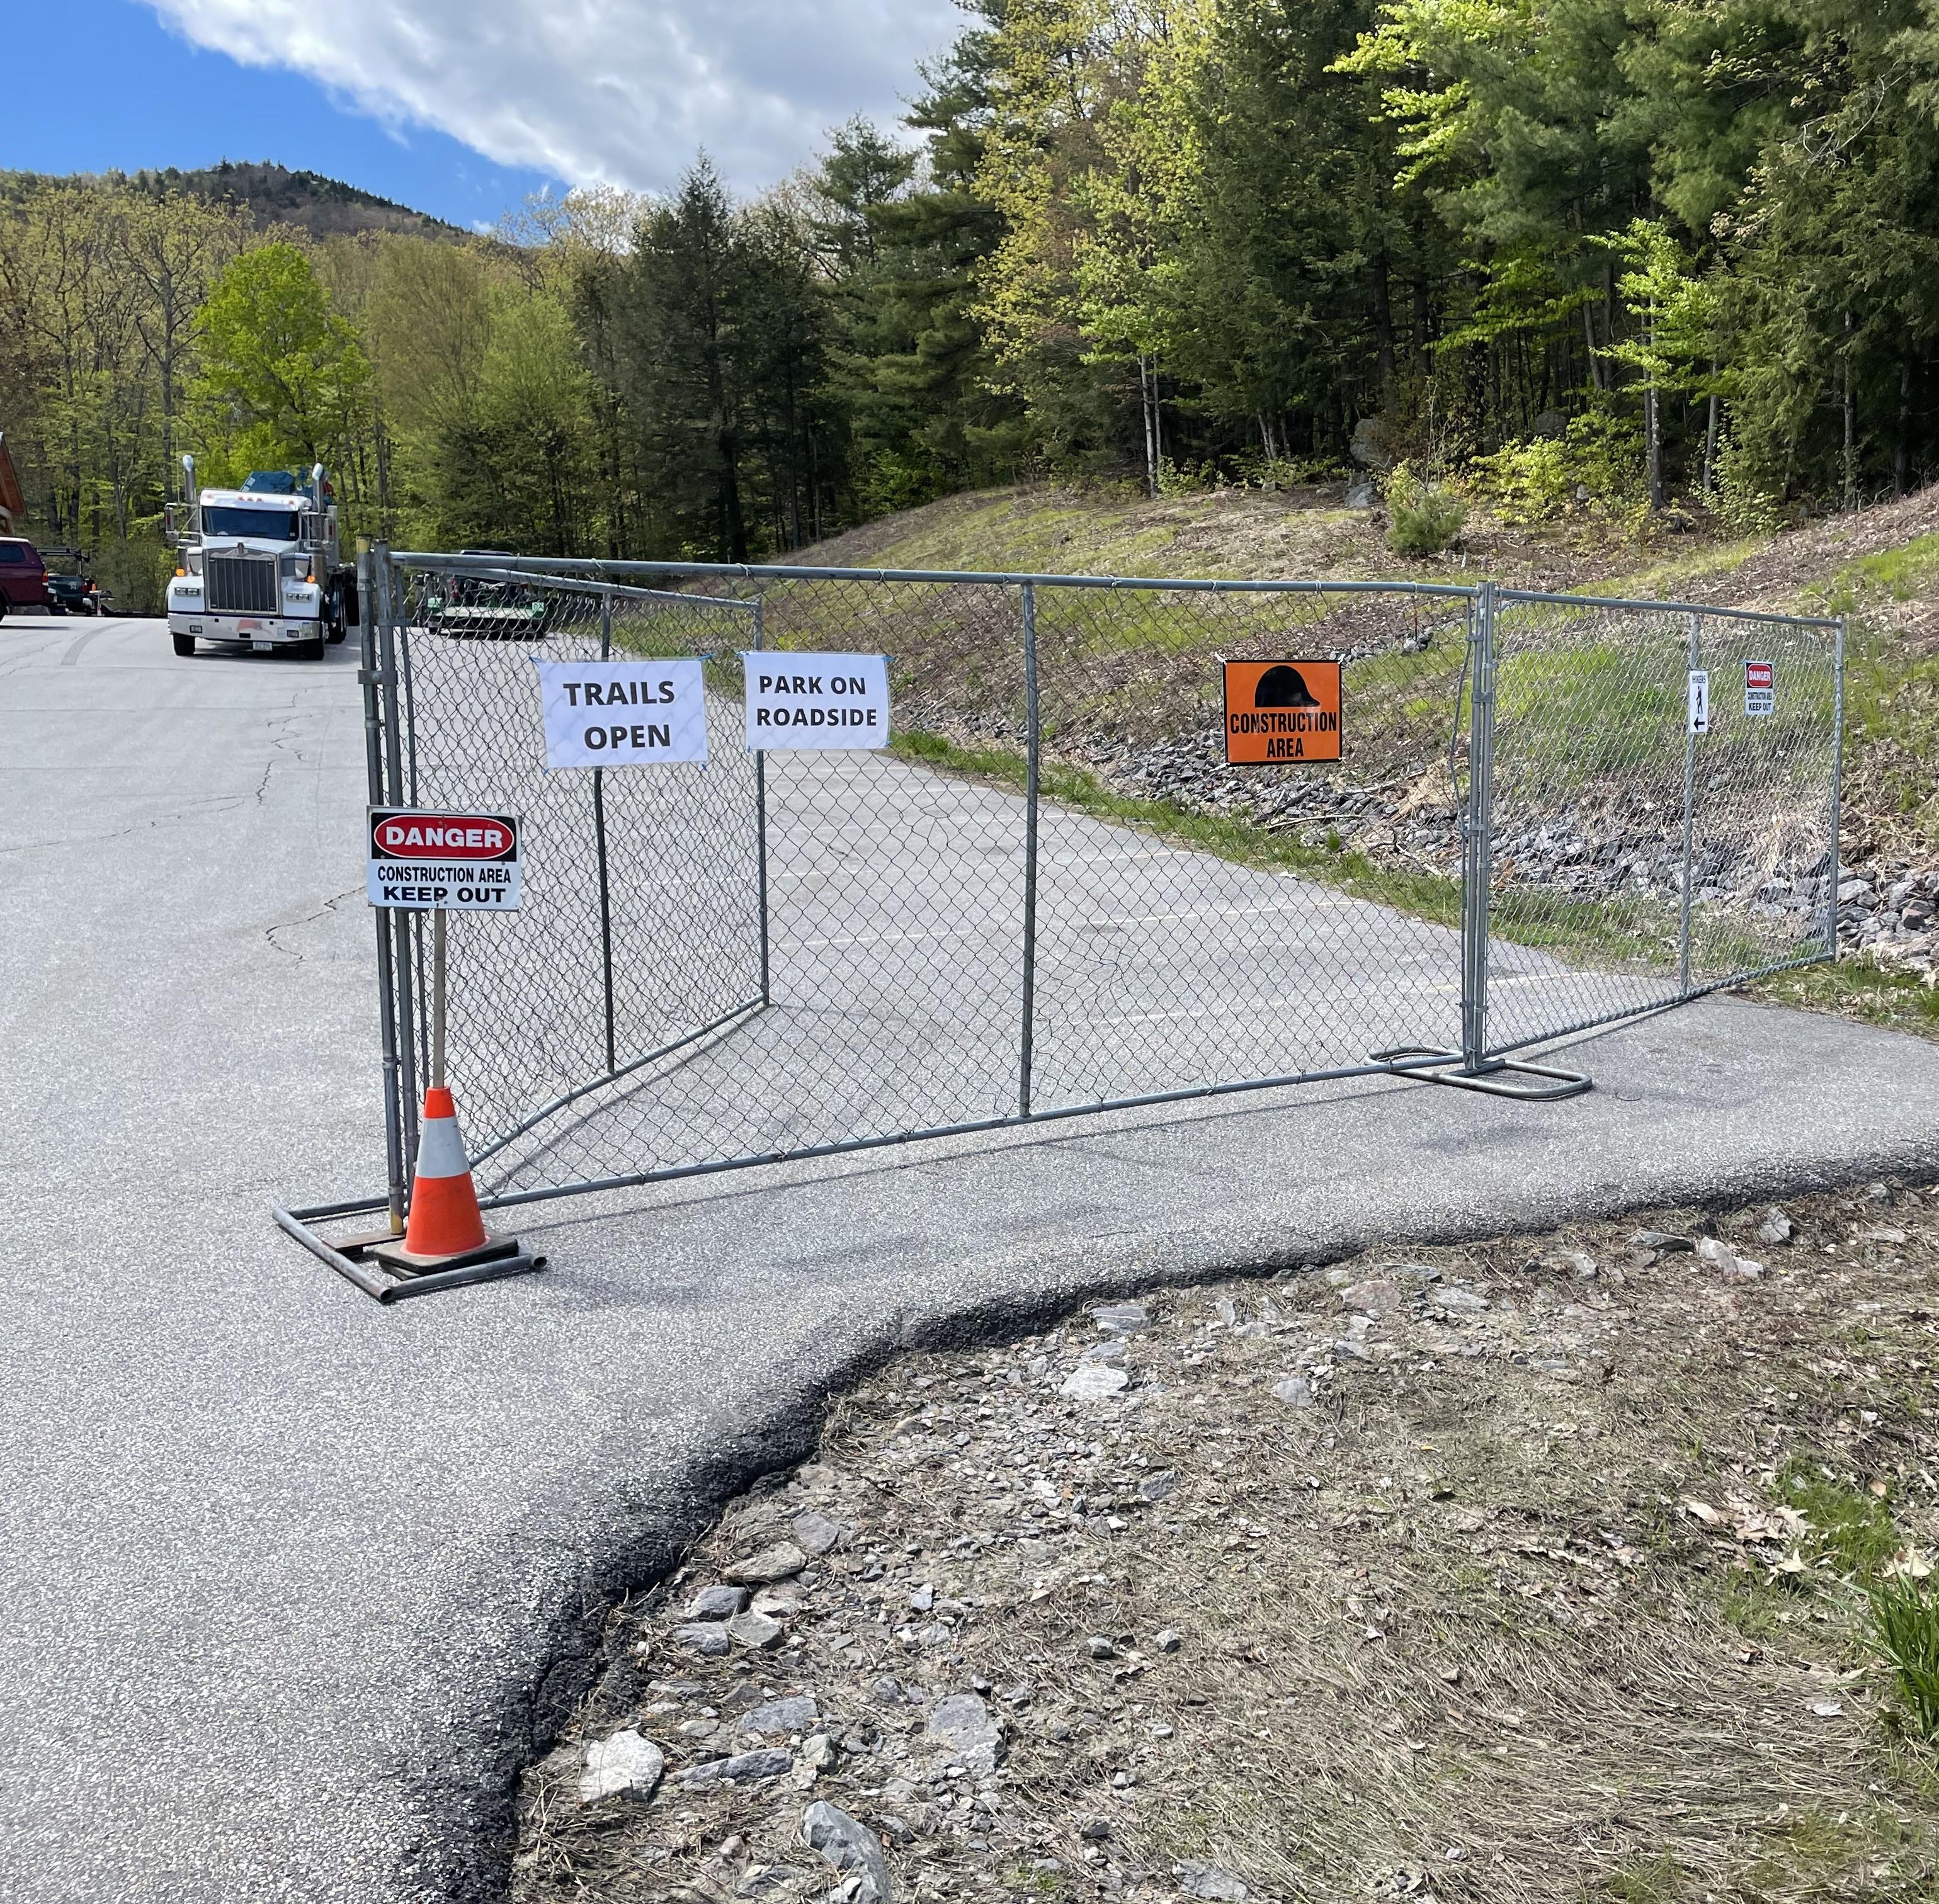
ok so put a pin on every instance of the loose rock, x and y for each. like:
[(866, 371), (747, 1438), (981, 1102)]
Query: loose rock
[(1375, 1296), (769, 1761), (1212, 1880), (708, 1639), (755, 1631), (1094, 1382), (717, 1603), (765, 1879), (1296, 1391), (848, 1845), (963, 1726), (814, 1534), (1723, 1258), (775, 1563), (779, 1717), (625, 1766)]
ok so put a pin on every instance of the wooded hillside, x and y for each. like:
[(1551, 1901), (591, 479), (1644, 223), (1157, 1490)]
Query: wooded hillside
[(1606, 258)]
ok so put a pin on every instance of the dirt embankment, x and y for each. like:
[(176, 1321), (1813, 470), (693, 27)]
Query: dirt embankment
[(1533, 1570)]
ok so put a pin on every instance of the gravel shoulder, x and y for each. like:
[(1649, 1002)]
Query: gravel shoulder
[(1531, 1569)]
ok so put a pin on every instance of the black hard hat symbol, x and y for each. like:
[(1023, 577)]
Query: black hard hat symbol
[(1282, 687)]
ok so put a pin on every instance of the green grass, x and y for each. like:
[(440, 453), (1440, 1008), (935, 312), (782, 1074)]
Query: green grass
[(1897, 1000), (1903, 573), (1904, 1634), (1852, 1528), (1669, 580), (1642, 1880)]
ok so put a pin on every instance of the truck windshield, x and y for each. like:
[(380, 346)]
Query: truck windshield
[(271, 525)]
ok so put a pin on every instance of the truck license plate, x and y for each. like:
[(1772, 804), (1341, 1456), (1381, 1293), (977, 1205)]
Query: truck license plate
[(262, 647)]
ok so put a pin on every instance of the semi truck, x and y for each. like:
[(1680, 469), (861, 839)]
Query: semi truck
[(259, 566)]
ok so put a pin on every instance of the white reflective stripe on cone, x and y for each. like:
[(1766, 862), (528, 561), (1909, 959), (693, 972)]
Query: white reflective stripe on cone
[(441, 1150)]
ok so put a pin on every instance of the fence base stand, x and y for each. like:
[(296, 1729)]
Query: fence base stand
[(1433, 1067), (371, 1262)]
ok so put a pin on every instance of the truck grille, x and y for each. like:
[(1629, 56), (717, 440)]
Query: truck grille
[(239, 585)]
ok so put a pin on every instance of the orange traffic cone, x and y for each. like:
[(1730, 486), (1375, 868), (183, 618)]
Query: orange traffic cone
[(444, 1240), (445, 1218)]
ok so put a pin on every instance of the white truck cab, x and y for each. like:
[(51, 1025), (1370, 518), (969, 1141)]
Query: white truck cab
[(259, 566)]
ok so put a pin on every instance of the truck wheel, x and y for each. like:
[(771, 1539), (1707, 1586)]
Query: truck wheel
[(306, 650), (184, 646)]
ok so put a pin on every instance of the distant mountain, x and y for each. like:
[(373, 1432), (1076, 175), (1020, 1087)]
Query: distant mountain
[(276, 196)]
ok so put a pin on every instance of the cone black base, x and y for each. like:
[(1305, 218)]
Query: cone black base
[(390, 1251)]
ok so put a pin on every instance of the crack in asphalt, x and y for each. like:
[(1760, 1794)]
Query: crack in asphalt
[(208, 805), (323, 911)]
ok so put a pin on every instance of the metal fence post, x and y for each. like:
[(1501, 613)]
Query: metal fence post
[(371, 676), (1837, 786), (1689, 813), (1477, 857), (390, 634), (1034, 748), (761, 829), (599, 847)]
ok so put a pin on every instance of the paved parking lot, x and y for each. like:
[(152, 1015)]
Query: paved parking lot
[(291, 1577)]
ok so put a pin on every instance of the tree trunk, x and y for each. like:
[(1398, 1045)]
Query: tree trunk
[(1899, 456), (1851, 436), (1384, 337), (1148, 414), (1710, 442), (1652, 428)]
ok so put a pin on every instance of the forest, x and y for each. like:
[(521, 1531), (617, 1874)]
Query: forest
[(1596, 258)]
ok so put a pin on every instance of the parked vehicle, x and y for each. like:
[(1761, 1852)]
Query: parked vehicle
[(70, 589), (23, 576), (259, 566), (484, 608)]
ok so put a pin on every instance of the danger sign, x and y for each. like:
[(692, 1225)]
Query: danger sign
[(442, 862), (816, 701), (1760, 687), (622, 713), (1278, 712)]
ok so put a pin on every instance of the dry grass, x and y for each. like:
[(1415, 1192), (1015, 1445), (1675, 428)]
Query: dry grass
[(1560, 1599)]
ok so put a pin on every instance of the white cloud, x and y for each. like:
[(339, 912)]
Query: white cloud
[(623, 91)]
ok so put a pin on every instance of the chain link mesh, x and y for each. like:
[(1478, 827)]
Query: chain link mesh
[(771, 955), (1639, 862)]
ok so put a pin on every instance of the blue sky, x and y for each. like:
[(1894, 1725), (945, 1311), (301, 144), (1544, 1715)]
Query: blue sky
[(458, 108), (117, 51)]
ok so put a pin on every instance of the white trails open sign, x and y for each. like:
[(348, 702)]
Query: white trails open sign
[(623, 713), (426, 861), (816, 701)]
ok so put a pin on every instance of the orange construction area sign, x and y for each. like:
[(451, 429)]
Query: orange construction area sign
[(1278, 712)]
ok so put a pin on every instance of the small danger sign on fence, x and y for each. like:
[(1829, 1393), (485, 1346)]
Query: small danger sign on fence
[(442, 862), (1281, 712), (623, 713), (1760, 687), (816, 701)]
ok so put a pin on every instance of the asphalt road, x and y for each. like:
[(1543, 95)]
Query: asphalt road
[(290, 1578)]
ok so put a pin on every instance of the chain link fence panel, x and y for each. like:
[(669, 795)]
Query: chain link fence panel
[(1050, 893), (1641, 862)]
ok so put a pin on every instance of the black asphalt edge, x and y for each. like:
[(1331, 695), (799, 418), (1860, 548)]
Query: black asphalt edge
[(465, 1788)]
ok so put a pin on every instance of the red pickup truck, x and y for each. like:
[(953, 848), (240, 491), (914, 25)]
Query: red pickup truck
[(23, 576)]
